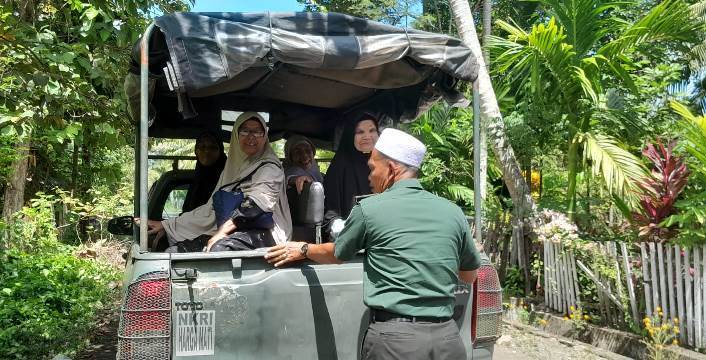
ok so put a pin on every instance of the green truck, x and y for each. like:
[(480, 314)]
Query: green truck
[(308, 73)]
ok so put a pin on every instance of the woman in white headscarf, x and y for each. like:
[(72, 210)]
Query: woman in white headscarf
[(255, 170)]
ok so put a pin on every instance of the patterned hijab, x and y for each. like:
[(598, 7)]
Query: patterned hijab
[(267, 188)]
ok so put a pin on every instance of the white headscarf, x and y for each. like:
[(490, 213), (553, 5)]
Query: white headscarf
[(266, 187)]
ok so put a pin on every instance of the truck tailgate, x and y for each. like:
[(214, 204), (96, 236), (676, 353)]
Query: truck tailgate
[(245, 309)]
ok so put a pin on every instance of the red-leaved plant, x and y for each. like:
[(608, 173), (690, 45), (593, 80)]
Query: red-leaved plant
[(661, 189)]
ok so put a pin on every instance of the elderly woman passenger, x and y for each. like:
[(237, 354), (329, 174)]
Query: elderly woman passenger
[(253, 180), (300, 167)]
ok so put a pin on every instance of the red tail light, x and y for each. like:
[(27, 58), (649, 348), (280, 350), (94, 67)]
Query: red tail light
[(486, 324), (144, 331)]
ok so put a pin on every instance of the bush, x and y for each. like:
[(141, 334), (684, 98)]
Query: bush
[(48, 301)]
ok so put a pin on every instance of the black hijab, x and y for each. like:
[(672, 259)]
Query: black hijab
[(205, 177), (347, 176)]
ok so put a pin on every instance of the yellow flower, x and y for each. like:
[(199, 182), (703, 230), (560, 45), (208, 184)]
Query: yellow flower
[(675, 342), (572, 308), (665, 327), (586, 317), (646, 321), (566, 318), (658, 309), (543, 322), (676, 330), (676, 320), (571, 316)]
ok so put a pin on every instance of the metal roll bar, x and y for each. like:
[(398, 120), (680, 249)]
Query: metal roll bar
[(141, 146)]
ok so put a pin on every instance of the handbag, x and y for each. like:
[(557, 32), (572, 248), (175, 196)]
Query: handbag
[(226, 201)]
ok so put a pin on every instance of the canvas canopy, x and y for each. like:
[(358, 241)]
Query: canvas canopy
[(309, 71)]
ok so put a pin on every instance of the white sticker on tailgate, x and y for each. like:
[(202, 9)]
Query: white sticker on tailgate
[(194, 333)]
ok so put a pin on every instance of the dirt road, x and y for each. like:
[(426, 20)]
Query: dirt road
[(516, 344)]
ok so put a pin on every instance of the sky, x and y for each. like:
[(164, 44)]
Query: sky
[(246, 5)]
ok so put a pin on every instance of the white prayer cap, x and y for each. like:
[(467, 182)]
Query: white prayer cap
[(402, 147)]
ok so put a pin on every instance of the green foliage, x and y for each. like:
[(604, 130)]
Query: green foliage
[(448, 167), (32, 227), (691, 217), (7, 155), (390, 11), (576, 59), (48, 301), (514, 283), (62, 64)]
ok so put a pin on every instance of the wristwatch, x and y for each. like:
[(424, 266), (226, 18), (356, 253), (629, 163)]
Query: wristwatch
[(304, 249)]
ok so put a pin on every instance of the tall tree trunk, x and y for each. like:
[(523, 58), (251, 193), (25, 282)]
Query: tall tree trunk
[(573, 172), (74, 167), (15, 189), (487, 26), (490, 113)]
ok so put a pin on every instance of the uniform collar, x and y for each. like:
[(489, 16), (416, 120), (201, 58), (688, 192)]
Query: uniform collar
[(406, 183)]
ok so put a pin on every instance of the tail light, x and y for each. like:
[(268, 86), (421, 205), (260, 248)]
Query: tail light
[(486, 324), (145, 318)]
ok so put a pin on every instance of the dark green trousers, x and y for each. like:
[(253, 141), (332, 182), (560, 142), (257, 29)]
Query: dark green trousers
[(392, 340)]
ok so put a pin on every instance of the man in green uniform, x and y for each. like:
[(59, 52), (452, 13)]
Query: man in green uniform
[(417, 246)]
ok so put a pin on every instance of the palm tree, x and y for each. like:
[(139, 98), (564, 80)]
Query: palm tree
[(574, 59), (487, 26), (490, 113)]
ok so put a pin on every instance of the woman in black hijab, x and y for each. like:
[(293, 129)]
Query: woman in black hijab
[(210, 160), (347, 176)]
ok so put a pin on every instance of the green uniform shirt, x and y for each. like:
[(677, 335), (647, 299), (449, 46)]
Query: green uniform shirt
[(415, 244)]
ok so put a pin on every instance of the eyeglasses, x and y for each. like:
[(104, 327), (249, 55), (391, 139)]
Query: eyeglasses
[(255, 133)]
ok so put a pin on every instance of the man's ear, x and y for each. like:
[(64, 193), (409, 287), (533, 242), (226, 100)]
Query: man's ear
[(395, 169)]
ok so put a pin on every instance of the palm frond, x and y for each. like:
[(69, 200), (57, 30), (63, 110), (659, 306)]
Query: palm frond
[(537, 57), (620, 170), (670, 20), (586, 21), (698, 57), (458, 192), (699, 8), (695, 134)]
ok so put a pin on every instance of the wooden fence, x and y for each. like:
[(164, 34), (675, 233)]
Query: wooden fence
[(672, 284), (561, 287)]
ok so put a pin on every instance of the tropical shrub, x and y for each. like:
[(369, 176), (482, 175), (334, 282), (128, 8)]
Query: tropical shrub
[(662, 187), (48, 301), (691, 218)]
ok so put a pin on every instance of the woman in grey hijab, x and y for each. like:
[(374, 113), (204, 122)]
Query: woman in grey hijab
[(299, 164), (255, 173)]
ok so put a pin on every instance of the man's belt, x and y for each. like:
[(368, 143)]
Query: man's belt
[(377, 315)]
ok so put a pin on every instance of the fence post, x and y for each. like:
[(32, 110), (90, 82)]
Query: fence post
[(702, 306), (549, 287), (545, 264), (575, 276), (630, 285), (670, 282), (646, 279), (680, 293), (662, 283), (655, 279), (697, 297), (689, 299)]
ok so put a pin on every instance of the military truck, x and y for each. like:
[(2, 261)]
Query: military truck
[(308, 73)]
